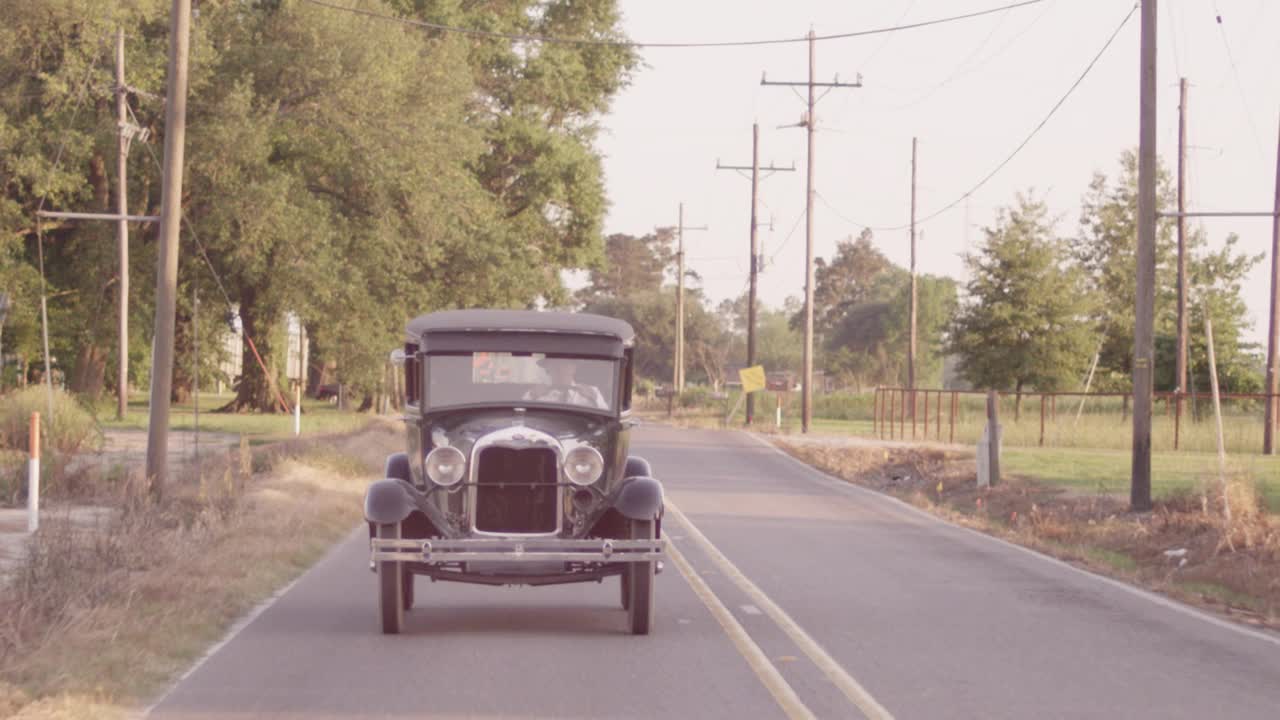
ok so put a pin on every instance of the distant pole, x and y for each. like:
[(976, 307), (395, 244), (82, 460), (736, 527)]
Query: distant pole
[(911, 349), (195, 364), (755, 265), (1144, 321), (1273, 337), (993, 437), (756, 260), (1181, 373), (806, 391), (122, 228), (810, 123), (678, 380), (1217, 415), (167, 264), (33, 475)]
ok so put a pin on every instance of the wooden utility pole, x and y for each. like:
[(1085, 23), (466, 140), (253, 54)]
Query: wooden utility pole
[(755, 248), (1273, 337), (175, 126), (911, 348), (810, 123), (677, 373), (122, 227), (1181, 373), (1144, 322)]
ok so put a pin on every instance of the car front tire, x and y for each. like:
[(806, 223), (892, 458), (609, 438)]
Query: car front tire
[(640, 582), (391, 586)]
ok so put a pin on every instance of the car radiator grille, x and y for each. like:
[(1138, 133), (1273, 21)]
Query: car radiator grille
[(516, 491)]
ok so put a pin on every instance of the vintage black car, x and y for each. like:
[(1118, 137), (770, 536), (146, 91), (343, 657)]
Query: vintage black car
[(517, 470)]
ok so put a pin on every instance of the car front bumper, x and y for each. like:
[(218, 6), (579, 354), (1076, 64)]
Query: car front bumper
[(515, 550)]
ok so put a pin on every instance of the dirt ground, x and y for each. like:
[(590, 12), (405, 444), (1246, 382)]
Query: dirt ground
[(1183, 548)]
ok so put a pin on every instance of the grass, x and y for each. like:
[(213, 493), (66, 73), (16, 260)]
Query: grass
[(1108, 471), (318, 417), (95, 623)]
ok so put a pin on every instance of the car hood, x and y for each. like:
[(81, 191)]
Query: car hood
[(463, 429)]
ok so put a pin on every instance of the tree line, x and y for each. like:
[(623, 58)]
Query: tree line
[(352, 171), (1037, 307)]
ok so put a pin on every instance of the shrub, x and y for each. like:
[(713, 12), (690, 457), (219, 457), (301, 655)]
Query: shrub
[(71, 429)]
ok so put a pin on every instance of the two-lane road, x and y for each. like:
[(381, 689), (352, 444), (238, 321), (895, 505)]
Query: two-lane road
[(795, 595)]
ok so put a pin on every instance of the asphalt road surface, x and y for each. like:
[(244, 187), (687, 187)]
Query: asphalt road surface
[(788, 594)]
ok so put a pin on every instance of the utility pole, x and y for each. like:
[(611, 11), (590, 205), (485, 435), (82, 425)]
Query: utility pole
[(677, 373), (1273, 337), (1181, 373), (175, 127), (1144, 324), (122, 226), (755, 248), (911, 349), (810, 124)]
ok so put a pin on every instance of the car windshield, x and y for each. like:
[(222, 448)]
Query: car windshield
[(497, 377)]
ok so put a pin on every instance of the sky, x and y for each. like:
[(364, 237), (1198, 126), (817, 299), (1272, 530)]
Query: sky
[(970, 91)]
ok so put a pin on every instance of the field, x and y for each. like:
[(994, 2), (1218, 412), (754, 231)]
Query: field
[(318, 417), (1089, 454)]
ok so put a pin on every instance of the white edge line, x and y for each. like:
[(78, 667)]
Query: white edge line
[(241, 624), (851, 688), (765, 670), (1139, 592)]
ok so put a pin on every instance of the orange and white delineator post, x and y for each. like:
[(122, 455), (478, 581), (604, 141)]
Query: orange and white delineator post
[(33, 476)]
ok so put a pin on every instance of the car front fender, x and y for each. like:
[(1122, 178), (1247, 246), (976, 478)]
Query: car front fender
[(388, 501), (640, 498)]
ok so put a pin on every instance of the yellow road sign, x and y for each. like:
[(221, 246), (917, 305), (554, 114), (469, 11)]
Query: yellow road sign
[(752, 378)]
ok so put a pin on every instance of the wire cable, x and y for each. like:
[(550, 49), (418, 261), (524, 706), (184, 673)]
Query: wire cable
[(1035, 131), (785, 240), (1235, 72), (523, 37)]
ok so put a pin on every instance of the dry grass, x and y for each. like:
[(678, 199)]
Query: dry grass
[(1231, 567), (99, 620)]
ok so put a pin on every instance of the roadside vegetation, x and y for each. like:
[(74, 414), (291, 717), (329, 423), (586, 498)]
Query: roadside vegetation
[(98, 620), (1186, 547)]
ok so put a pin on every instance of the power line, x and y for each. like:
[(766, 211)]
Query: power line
[(1235, 72), (791, 232), (523, 37), (1035, 131)]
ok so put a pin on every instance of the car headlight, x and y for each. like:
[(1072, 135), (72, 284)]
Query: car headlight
[(446, 465), (583, 465)]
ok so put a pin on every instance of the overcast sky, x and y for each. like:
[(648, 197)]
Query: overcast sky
[(969, 90)]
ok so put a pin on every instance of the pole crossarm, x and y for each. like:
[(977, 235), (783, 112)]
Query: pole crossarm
[(113, 217), (1223, 213), (835, 84), (770, 168)]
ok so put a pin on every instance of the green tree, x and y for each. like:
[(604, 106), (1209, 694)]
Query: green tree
[(1026, 318), (1107, 250)]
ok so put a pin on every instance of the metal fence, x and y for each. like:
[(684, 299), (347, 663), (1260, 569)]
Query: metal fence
[(1181, 421)]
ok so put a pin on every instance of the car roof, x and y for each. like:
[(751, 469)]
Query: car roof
[(522, 321)]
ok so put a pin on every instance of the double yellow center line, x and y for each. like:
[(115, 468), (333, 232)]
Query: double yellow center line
[(773, 681)]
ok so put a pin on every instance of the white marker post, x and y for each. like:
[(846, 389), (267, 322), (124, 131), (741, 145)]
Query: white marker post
[(297, 410), (33, 476)]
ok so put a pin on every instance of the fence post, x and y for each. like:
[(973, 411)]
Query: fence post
[(1177, 417), (875, 413), (914, 403), (926, 414), (1041, 419), (893, 416), (902, 429), (952, 421), (993, 435), (938, 414), (33, 476)]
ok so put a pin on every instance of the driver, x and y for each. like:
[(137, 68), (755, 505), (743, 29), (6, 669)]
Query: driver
[(563, 388)]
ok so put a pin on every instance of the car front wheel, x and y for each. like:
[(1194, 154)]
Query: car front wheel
[(391, 586), (640, 582)]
